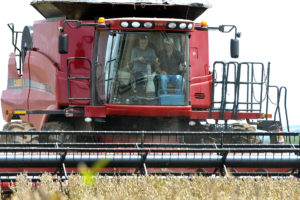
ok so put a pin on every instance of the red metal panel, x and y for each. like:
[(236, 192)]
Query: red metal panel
[(199, 54), (45, 39), (5, 98), (61, 89), (12, 68), (80, 89), (16, 94), (200, 77), (95, 111), (200, 94), (42, 87), (81, 42), (148, 111)]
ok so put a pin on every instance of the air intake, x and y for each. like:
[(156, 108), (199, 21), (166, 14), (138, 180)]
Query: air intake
[(199, 96)]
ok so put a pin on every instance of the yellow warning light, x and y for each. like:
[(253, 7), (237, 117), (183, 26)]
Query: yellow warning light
[(204, 24), (101, 20), (20, 112)]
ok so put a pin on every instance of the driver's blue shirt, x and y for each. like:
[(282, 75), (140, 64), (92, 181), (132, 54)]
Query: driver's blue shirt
[(141, 66)]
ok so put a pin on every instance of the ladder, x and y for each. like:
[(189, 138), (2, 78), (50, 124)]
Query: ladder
[(69, 78)]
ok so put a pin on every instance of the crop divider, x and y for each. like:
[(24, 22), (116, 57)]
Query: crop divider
[(143, 167), (223, 169), (61, 169)]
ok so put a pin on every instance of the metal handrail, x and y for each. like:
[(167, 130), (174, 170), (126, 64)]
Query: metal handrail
[(237, 83), (14, 43)]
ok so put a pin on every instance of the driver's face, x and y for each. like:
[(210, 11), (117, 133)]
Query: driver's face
[(143, 44), (168, 47)]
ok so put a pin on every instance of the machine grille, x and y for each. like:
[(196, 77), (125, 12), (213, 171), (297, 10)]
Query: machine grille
[(199, 96)]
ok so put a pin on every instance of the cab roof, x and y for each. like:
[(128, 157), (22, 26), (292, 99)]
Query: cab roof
[(92, 9)]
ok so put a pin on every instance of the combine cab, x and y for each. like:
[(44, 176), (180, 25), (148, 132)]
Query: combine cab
[(93, 82)]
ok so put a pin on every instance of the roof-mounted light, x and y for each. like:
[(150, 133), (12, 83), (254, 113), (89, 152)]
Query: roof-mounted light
[(124, 24), (148, 24), (190, 26), (204, 24), (171, 25), (135, 24), (182, 25), (101, 20)]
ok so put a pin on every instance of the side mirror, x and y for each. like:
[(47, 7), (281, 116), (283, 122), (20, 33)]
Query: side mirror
[(63, 43), (234, 48)]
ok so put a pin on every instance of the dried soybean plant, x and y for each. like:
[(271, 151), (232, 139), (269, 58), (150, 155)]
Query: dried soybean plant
[(157, 187)]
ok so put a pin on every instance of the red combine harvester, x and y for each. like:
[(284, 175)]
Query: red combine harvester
[(131, 83)]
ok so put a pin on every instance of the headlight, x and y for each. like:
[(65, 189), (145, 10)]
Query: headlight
[(135, 24), (124, 24), (148, 24), (190, 26), (172, 25), (182, 25)]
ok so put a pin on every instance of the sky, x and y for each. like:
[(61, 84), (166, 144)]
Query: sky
[(270, 33)]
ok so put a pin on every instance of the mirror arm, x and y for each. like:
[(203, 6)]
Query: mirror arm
[(234, 43), (221, 28)]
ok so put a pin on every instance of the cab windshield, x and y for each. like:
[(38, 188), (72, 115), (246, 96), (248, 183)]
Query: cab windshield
[(142, 68)]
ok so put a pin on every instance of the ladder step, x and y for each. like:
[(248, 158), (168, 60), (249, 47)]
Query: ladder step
[(80, 98), (76, 106), (74, 78)]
